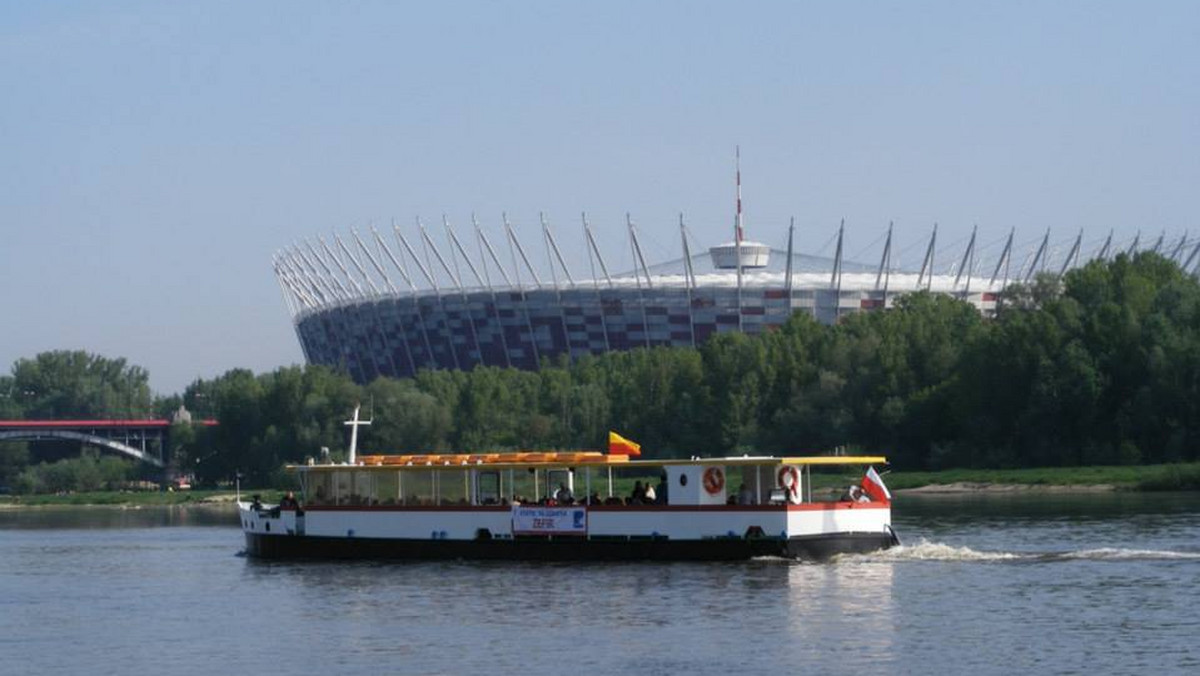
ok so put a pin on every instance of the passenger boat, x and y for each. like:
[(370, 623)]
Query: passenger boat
[(566, 506)]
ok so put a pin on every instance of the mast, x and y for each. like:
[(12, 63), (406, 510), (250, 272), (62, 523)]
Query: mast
[(592, 248), (787, 274), (1191, 257), (487, 281), (514, 242), (551, 250), (354, 424), (835, 281), (927, 264), (966, 259), (1037, 258), (1104, 250), (356, 263), (1004, 259), (371, 259), (485, 243), (513, 245), (737, 231), (885, 261), (689, 278), (1133, 247), (1073, 254), (1179, 247), (740, 233), (637, 276), (549, 236), (587, 231), (399, 263)]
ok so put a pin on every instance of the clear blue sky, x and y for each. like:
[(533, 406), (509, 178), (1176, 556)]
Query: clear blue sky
[(153, 155)]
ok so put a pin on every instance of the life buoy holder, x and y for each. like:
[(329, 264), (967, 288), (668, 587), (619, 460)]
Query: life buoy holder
[(789, 478), (713, 480)]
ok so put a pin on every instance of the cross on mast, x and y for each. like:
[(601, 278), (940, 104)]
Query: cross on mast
[(354, 424)]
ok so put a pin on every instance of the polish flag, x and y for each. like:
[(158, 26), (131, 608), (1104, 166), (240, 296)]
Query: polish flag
[(872, 484)]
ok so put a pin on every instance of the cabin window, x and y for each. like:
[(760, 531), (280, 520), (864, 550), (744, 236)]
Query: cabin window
[(452, 487), (488, 488), (387, 488), (556, 478), (318, 488), (342, 487), (523, 485), (418, 488), (758, 484), (364, 490)]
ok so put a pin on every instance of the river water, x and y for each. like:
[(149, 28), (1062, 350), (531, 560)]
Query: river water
[(1100, 583)]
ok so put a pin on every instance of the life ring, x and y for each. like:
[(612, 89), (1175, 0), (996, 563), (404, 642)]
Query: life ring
[(789, 478), (714, 480)]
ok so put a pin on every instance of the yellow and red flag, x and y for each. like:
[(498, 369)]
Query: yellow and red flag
[(619, 445)]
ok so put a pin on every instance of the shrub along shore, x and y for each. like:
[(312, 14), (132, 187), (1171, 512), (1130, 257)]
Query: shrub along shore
[(1176, 477), (1097, 369)]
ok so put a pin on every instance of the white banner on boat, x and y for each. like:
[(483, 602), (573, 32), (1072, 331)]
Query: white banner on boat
[(549, 520)]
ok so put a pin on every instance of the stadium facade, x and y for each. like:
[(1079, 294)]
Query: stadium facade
[(371, 306)]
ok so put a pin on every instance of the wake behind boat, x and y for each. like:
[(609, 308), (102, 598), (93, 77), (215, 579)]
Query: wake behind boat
[(474, 506)]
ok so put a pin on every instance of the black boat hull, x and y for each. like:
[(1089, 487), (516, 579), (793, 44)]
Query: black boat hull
[(564, 548)]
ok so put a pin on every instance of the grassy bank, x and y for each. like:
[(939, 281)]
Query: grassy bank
[(1175, 477), (128, 498)]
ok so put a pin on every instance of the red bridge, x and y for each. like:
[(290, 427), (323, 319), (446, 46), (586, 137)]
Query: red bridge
[(142, 439)]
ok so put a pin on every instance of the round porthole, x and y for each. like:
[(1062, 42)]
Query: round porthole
[(682, 479)]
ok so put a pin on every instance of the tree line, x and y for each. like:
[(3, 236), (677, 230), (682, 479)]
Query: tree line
[(1101, 366)]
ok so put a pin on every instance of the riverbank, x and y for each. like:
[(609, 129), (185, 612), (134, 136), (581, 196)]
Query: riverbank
[(1094, 479), (1099, 478), (128, 498)]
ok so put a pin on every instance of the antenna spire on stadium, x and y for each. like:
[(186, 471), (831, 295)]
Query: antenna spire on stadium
[(739, 233)]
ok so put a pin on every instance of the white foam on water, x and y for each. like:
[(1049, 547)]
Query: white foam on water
[(936, 551), (1117, 554), (931, 551)]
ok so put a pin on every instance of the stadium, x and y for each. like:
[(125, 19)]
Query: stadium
[(372, 306)]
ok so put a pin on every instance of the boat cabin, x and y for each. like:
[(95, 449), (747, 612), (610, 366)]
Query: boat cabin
[(587, 478)]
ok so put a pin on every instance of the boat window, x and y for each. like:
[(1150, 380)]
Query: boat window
[(630, 486), (488, 488), (521, 486), (387, 488), (759, 483), (452, 487), (556, 478), (342, 488), (418, 487), (319, 488), (363, 493)]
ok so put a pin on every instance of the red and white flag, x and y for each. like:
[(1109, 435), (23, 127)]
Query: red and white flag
[(872, 484)]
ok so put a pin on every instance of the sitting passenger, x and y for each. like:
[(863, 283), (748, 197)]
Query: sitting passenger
[(745, 495), (563, 495), (639, 494), (651, 496)]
